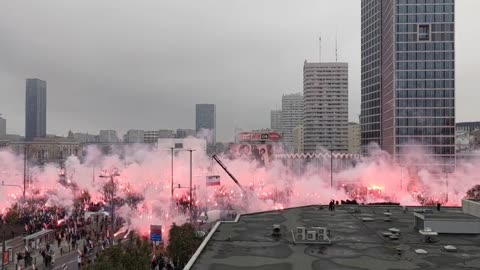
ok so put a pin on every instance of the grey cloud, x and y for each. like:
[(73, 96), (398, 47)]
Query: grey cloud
[(144, 64)]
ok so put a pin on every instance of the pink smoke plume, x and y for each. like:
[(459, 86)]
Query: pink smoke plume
[(146, 172)]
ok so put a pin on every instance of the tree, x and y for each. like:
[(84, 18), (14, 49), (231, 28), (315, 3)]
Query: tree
[(13, 214), (136, 253), (182, 243), (474, 193)]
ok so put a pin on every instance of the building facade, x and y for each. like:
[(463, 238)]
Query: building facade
[(85, 137), (468, 126), (298, 143), (353, 138), (152, 136), (3, 128), (48, 149), (325, 117), (292, 116), (108, 136), (35, 109), (185, 133), (276, 120), (205, 119), (408, 79), (134, 136)]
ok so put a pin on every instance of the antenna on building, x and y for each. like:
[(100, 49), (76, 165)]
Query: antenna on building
[(320, 49), (336, 47)]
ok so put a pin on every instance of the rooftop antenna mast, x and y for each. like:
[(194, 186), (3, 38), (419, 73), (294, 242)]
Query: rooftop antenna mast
[(336, 47), (320, 49)]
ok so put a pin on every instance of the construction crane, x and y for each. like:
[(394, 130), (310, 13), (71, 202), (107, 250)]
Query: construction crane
[(228, 172)]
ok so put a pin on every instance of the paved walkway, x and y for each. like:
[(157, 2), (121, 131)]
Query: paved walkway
[(68, 255)]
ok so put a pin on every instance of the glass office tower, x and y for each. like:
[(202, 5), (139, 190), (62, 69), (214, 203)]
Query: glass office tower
[(408, 79)]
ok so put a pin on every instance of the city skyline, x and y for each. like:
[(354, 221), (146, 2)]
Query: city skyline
[(81, 71)]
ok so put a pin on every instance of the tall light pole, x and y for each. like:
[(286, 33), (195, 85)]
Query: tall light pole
[(112, 204), (25, 161), (331, 165), (191, 194), (446, 182), (20, 187), (172, 148), (3, 248), (401, 177)]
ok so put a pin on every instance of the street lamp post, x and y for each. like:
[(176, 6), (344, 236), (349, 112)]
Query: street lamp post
[(25, 172), (401, 177), (331, 165), (191, 194), (3, 248), (20, 187), (112, 204), (191, 170), (172, 148), (446, 183)]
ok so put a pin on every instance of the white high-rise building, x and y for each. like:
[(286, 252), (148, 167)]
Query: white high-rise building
[(292, 114), (325, 93), (276, 120)]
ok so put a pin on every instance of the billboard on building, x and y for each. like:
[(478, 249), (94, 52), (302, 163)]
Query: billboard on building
[(254, 136), (264, 154)]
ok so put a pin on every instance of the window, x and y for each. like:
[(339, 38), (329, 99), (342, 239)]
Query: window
[(424, 32)]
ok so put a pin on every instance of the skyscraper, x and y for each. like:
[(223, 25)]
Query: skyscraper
[(292, 116), (205, 120), (408, 79), (35, 109), (276, 120), (3, 127), (325, 118)]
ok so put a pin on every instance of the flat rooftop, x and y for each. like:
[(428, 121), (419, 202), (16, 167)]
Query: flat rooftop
[(248, 244)]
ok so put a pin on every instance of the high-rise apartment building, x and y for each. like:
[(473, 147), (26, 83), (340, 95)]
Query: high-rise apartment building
[(325, 118), (276, 120), (35, 109), (205, 122), (408, 79), (292, 116), (3, 128)]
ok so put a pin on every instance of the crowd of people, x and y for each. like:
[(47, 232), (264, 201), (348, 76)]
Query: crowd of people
[(64, 232)]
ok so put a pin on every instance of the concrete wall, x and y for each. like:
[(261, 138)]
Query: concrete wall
[(471, 207), (451, 226)]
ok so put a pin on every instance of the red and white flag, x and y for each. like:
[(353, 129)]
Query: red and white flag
[(213, 180)]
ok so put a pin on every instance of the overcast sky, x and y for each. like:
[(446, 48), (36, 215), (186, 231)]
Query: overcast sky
[(122, 65)]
